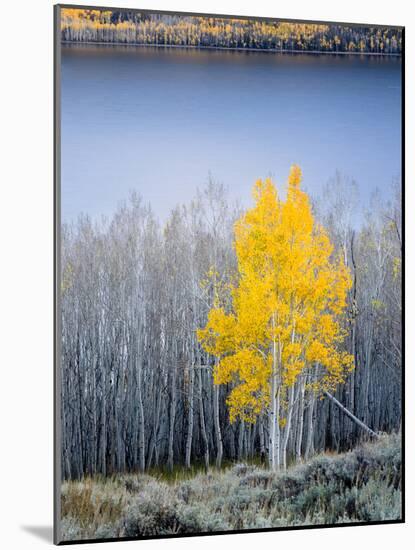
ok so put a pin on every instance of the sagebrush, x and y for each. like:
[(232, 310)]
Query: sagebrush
[(358, 486)]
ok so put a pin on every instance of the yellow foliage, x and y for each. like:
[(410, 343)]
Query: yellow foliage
[(287, 302), (396, 269), (106, 25), (378, 304), (67, 278)]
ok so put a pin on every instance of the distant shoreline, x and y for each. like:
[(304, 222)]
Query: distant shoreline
[(223, 48)]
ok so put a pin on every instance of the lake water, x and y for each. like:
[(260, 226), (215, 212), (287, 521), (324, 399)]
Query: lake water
[(160, 120)]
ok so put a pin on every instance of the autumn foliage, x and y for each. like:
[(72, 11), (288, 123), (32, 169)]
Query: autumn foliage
[(282, 317), (130, 27)]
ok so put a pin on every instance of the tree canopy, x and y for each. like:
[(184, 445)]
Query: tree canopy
[(282, 315)]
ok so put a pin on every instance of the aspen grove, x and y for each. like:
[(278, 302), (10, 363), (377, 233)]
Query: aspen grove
[(125, 27), (270, 333)]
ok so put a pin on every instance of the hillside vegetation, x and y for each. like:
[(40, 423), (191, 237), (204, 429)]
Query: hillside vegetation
[(79, 25), (359, 486)]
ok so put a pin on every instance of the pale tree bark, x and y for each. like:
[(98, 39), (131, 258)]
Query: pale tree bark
[(274, 416), (190, 416), (261, 438), (218, 433), (202, 422), (300, 424), (172, 412), (309, 449), (287, 430)]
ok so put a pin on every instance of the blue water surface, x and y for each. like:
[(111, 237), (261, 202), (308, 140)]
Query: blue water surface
[(160, 120)]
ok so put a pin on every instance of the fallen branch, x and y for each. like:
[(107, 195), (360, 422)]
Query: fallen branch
[(352, 416)]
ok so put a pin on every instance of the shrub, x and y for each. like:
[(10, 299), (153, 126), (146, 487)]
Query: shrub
[(257, 478), (107, 531), (199, 518), (70, 529), (151, 512), (377, 502), (361, 485)]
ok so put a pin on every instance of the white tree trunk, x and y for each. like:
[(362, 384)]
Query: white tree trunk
[(300, 426), (287, 430), (218, 433), (190, 418)]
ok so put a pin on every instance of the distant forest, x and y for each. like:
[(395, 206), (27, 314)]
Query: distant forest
[(127, 27)]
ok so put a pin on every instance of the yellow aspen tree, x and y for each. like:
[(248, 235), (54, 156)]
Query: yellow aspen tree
[(284, 315)]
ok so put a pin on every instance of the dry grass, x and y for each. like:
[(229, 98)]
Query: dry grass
[(362, 485), (93, 502)]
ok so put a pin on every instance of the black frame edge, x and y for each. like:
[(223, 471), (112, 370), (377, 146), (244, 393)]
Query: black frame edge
[(56, 272), (403, 267)]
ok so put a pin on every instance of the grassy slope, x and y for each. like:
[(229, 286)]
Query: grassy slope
[(362, 485)]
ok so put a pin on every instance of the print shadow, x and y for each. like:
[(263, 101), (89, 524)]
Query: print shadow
[(43, 532)]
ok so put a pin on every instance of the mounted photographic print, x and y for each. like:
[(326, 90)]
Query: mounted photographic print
[(228, 267)]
